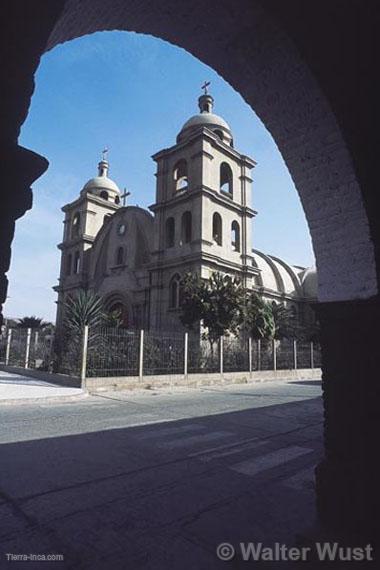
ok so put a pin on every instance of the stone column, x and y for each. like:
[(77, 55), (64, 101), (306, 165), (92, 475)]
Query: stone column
[(348, 478)]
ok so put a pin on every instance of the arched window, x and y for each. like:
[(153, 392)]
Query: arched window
[(75, 226), (217, 228), (104, 194), (226, 178), (69, 262), (235, 236), (174, 292), (76, 262), (186, 229), (117, 200), (170, 232), (118, 313), (180, 175), (219, 134), (119, 260)]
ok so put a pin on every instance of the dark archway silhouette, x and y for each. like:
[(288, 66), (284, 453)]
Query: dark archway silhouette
[(293, 63)]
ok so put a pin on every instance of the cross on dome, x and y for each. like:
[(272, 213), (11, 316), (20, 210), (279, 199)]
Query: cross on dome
[(205, 85)]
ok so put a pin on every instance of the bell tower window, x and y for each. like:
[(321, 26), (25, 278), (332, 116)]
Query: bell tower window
[(180, 175), (217, 228), (226, 179), (170, 232), (119, 256), (69, 262), (174, 292), (76, 263), (75, 226), (186, 229), (104, 195), (235, 236)]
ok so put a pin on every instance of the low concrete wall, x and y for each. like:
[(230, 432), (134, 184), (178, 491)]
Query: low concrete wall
[(52, 378), (131, 382)]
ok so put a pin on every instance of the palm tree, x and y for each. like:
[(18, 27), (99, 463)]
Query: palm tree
[(32, 323), (85, 308)]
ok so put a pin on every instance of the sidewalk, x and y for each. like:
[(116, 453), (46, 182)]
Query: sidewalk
[(17, 389)]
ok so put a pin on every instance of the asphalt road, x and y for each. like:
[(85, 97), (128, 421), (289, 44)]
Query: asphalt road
[(158, 479)]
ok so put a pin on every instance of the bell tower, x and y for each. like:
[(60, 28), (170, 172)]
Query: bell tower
[(84, 218), (202, 209)]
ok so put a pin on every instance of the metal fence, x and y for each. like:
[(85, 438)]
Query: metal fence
[(112, 352), (28, 348)]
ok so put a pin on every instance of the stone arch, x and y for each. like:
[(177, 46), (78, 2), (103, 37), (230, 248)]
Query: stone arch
[(117, 301), (248, 45), (264, 66)]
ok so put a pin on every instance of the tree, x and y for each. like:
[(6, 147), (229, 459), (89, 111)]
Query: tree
[(285, 320), (258, 317), (216, 302), (86, 308), (32, 323)]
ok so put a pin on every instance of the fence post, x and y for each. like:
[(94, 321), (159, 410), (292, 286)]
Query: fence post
[(295, 354), (274, 349), (8, 349), (250, 356), (259, 354), (27, 350), (186, 355), (141, 356), (36, 337), (83, 368), (311, 354), (221, 356)]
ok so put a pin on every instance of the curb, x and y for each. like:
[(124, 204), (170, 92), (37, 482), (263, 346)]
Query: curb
[(43, 400)]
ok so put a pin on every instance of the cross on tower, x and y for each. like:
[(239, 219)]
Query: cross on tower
[(104, 154), (124, 196), (205, 85)]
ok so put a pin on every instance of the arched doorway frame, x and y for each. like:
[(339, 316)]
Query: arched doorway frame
[(266, 69)]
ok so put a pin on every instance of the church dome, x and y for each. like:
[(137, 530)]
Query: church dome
[(101, 185), (276, 275), (310, 282), (206, 118)]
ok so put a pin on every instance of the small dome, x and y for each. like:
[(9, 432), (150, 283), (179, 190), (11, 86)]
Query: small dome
[(206, 118), (101, 183), (310, 282)]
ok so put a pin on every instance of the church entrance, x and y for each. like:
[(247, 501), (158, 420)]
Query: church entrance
[(119, 313)]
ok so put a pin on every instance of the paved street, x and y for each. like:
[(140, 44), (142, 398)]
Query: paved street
[(157, 479)]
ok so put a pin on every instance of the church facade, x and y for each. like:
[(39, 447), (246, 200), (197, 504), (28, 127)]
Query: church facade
[(200, 222)]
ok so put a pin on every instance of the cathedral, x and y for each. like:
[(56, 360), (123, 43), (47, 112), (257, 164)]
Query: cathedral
[(200, 222)]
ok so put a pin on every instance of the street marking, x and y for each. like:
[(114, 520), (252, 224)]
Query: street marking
[(223, 447), (273, 459), (160, 432), (227, 450), (193, 439)]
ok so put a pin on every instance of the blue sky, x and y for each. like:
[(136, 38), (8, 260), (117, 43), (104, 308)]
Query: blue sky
[(131, 93)]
